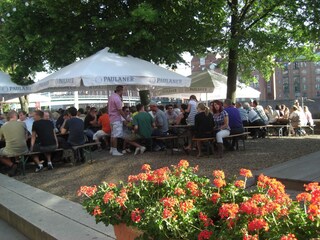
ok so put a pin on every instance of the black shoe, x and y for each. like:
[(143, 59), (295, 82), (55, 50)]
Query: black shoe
[(50, 167), (39, 168), (13, 170)]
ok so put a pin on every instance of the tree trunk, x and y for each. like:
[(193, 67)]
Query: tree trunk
[(24, 103), (233, 53)]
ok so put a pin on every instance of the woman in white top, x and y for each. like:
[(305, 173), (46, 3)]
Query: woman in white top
[(192, 109), (308, 116)]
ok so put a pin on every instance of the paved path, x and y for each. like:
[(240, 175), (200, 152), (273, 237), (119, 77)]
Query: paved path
[(306, 168), (296, 172)]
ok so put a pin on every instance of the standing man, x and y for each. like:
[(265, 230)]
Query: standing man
[(115, 114), (43, 139), (15, 135)]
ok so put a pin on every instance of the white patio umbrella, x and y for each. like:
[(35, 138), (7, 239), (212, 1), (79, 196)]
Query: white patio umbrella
[(209, 85), (105, 68), (9, 89)]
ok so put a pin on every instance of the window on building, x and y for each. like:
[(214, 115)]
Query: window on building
[(202, 61), (304, 79), (317, 86), (285, 66), (317, 71), (318, 93), (318, 79), (285, 88), (304, 87), (296, 65)]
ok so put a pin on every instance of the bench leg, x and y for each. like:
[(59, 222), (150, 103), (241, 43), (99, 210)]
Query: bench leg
[(23, 160)]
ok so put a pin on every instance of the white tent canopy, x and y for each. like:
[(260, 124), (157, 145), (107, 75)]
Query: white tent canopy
[(106, 68), (9, 89), (209, 85)]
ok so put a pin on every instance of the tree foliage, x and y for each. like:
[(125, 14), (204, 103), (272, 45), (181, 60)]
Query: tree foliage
[(251, 34)]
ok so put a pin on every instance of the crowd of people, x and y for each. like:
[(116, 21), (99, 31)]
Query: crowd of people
[(135, 126)]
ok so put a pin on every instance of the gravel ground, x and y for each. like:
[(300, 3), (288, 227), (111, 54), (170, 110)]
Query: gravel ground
[(65, 180)]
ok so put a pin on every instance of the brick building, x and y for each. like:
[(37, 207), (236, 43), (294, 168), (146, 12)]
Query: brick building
[(293, 81)]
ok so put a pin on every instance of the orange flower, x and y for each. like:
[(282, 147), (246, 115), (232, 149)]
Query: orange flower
[(108, 196), (142, 176), (215, 197), (146, 167), (87, 190), (97, 211), (250, 237), (183, 164), (179, 191), (228, 210), (219, 183), (121, 201), (239, 184), (112, 185), (133, 178), (311, 186), (167, 213), (192, 186), (245, 172), (169, 202), (313, 211), (186, 205), (258, 224), (304, 197), (218, 174), (290, 236)]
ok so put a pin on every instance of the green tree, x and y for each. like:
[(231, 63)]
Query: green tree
[(251, 34)]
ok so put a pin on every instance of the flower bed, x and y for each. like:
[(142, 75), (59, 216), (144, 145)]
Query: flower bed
[(176, 203)]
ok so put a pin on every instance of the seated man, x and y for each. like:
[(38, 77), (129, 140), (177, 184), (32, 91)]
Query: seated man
[(91, 125), (161, 123), (235, 122), (74, 126), (43, 139), (15, 135), (143, 126), (104, 122)]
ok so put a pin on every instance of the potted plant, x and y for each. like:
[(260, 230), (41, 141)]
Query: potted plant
[(176, 203)]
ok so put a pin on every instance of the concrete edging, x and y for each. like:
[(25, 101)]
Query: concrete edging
[(41, 215)]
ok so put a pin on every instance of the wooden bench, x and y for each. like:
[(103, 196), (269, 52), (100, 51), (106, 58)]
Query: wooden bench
[(308, 127), (168, 138), (209, 142), (239, 136), (279, 128), (23, 158), (87, 150)]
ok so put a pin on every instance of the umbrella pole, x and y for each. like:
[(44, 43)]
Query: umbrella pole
[(76, 99)]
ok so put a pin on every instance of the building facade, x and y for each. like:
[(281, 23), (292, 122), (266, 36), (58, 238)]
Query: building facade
[(300, 79)]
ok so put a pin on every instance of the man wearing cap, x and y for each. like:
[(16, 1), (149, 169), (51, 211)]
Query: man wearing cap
[(161, 123), (115, 113)]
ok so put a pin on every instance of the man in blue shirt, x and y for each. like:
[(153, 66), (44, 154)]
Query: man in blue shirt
[(235, 122)]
